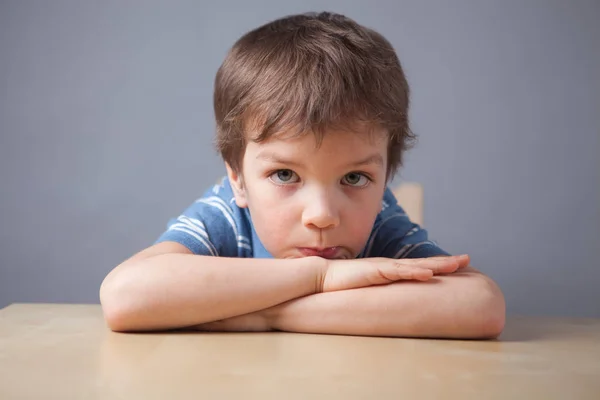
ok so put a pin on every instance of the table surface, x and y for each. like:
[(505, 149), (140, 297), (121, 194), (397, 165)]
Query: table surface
[(66, 351)]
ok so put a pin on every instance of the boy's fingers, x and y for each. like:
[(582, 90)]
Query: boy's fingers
[(419, 274), (422, 269), (437, 266), (443, 268), (406, 273), (463, 260)]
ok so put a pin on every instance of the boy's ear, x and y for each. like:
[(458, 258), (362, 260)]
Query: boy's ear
[(237, 185)]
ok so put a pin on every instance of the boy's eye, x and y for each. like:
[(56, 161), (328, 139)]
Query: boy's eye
[(356, 179), (284, 176)]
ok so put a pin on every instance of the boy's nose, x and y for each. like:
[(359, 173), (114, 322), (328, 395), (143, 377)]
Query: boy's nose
[(320, 213)]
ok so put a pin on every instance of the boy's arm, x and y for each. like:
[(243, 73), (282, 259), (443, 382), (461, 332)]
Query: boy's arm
[(465, 304), (167, 287)]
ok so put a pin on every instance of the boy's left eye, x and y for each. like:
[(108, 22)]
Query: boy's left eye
[(356, 179), (283, 177)]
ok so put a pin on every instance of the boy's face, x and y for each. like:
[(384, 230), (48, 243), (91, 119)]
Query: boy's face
[(306, 200)]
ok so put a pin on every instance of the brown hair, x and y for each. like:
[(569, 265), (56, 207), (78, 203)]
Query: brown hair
[(311, 72)]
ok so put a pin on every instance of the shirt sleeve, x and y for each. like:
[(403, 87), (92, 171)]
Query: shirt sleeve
[(206, 227), (394, 235)]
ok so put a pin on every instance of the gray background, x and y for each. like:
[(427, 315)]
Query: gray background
[(106, 132)]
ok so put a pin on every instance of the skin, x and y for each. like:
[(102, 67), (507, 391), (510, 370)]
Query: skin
[(313, 207), (320, 196)]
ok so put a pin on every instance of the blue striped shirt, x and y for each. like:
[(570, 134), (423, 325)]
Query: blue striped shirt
[(214, 225)]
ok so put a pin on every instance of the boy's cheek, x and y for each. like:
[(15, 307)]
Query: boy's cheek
[(270, 208), (274, 220)]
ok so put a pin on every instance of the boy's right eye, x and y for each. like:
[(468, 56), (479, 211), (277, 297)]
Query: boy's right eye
[(283, 177)]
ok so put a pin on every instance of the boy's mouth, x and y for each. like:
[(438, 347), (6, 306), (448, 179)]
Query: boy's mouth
[(325, 252)]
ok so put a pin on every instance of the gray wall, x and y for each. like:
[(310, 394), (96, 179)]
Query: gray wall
[(106, 127)]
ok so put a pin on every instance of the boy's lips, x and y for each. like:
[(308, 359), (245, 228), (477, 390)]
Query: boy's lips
[(324, 252)]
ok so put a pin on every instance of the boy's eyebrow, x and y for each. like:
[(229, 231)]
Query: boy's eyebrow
[(372, 159), (275, 158)]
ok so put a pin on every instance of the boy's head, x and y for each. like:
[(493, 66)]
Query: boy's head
[(310, 73), (312, 121)]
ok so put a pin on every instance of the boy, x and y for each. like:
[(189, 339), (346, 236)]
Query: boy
[(303, 234)]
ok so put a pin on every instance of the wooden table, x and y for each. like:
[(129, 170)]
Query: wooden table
[(59, 351)]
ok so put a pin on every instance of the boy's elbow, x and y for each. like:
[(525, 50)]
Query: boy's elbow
[(113, 305), (491, 313), (115, 320)]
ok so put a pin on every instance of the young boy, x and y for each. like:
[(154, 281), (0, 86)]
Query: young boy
[(303, 234)]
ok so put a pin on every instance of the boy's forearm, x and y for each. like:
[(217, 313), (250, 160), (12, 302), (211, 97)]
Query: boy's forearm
[(169, 291), (460, 305)]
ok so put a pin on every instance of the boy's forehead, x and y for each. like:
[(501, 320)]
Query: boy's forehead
[(255, 125), (368, 134), (339, 145)]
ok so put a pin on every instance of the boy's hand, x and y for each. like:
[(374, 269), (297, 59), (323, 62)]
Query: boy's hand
[(350, 274)]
